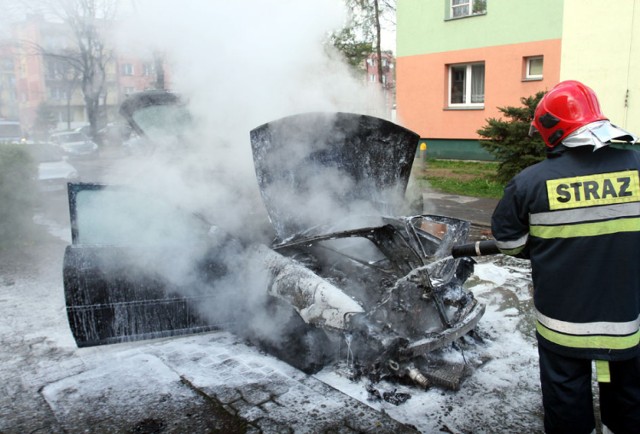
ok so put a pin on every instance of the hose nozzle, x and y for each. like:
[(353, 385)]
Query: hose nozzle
[(479, 248)]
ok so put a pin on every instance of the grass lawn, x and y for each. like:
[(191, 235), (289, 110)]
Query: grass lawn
[(466, 178)]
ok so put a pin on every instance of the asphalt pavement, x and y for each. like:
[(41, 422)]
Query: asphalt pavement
[(476, 210)]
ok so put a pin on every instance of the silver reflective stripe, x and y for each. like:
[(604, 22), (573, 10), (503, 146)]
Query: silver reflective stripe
[(510, 245), (577, 215), (590, 328)]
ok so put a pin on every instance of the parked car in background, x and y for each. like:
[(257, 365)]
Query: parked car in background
[(54, 169), (11, 132), (114, 133), (75, 144), (85, 129), (137, 145)]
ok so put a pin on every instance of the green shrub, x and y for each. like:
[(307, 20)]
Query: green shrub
[(509, 140), (17, 194)]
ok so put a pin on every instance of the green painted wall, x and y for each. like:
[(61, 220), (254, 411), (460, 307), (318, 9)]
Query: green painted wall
[(423, 27), (454, 150)]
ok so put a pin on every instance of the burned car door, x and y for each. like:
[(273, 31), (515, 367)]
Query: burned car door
[(115, 290)]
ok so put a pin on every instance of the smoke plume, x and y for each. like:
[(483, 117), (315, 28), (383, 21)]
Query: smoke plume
[(239, 64)]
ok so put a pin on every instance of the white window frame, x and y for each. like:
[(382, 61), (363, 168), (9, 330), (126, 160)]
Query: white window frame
[(527, 73), (467, 91), (469, 4)]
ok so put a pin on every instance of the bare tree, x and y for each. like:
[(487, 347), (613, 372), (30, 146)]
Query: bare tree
[(88, 55), (87, 20)]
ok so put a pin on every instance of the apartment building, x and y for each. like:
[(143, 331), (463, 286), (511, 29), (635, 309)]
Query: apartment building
[(8, 95), (46, 79), (459, 60), (387, 82)]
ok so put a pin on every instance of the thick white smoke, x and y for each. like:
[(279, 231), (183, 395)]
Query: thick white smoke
[(239, 64)]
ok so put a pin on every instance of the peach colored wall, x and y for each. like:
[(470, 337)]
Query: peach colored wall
[(422, 83)]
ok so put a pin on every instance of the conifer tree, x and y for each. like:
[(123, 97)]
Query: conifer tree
[(509, 140)]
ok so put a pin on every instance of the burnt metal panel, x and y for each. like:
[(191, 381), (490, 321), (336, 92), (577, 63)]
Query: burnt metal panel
[(329, 162)]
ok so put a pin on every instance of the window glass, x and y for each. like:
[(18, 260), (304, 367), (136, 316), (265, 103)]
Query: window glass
[(479, 7), (106, 216), (163, 122), (459, 8), (534, 67), (458, 76), (466, 85), (127, 69), (465, 8), (477, 83)]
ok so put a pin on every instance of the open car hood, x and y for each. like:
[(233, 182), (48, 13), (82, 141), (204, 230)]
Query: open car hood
[(318, 168)]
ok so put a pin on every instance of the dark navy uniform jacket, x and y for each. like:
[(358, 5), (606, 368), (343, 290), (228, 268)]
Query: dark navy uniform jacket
[(576, 216)]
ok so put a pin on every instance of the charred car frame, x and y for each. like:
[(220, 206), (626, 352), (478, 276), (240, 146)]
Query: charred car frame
[(360, 284)]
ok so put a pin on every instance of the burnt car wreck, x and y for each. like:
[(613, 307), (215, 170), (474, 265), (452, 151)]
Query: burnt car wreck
[(362, 284)]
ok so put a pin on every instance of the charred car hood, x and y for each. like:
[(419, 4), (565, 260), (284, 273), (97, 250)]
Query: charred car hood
[(319, 168)]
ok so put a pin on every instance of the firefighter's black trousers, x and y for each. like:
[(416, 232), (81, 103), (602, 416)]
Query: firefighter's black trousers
[(568, 402)]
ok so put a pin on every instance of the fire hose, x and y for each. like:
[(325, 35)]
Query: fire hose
[(479, 248)]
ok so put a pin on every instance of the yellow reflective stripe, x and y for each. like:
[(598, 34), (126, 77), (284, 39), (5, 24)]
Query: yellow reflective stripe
[(591, 341), (587, 229), (602, 371), (511, 252)]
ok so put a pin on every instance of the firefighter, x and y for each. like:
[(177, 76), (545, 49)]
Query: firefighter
[(576, 216)]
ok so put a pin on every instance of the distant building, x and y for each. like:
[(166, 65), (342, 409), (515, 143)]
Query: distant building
[(8, 94), (459, 60), (49, 79), (388, 81)]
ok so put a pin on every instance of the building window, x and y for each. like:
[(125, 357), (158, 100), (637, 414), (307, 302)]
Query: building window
[(127, 69), (467, 8), (128, 90), (6, 64), (57, 93), (533, 67), (466, 85), (148, 69)]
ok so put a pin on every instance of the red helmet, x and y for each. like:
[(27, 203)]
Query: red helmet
[(565, 108)]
